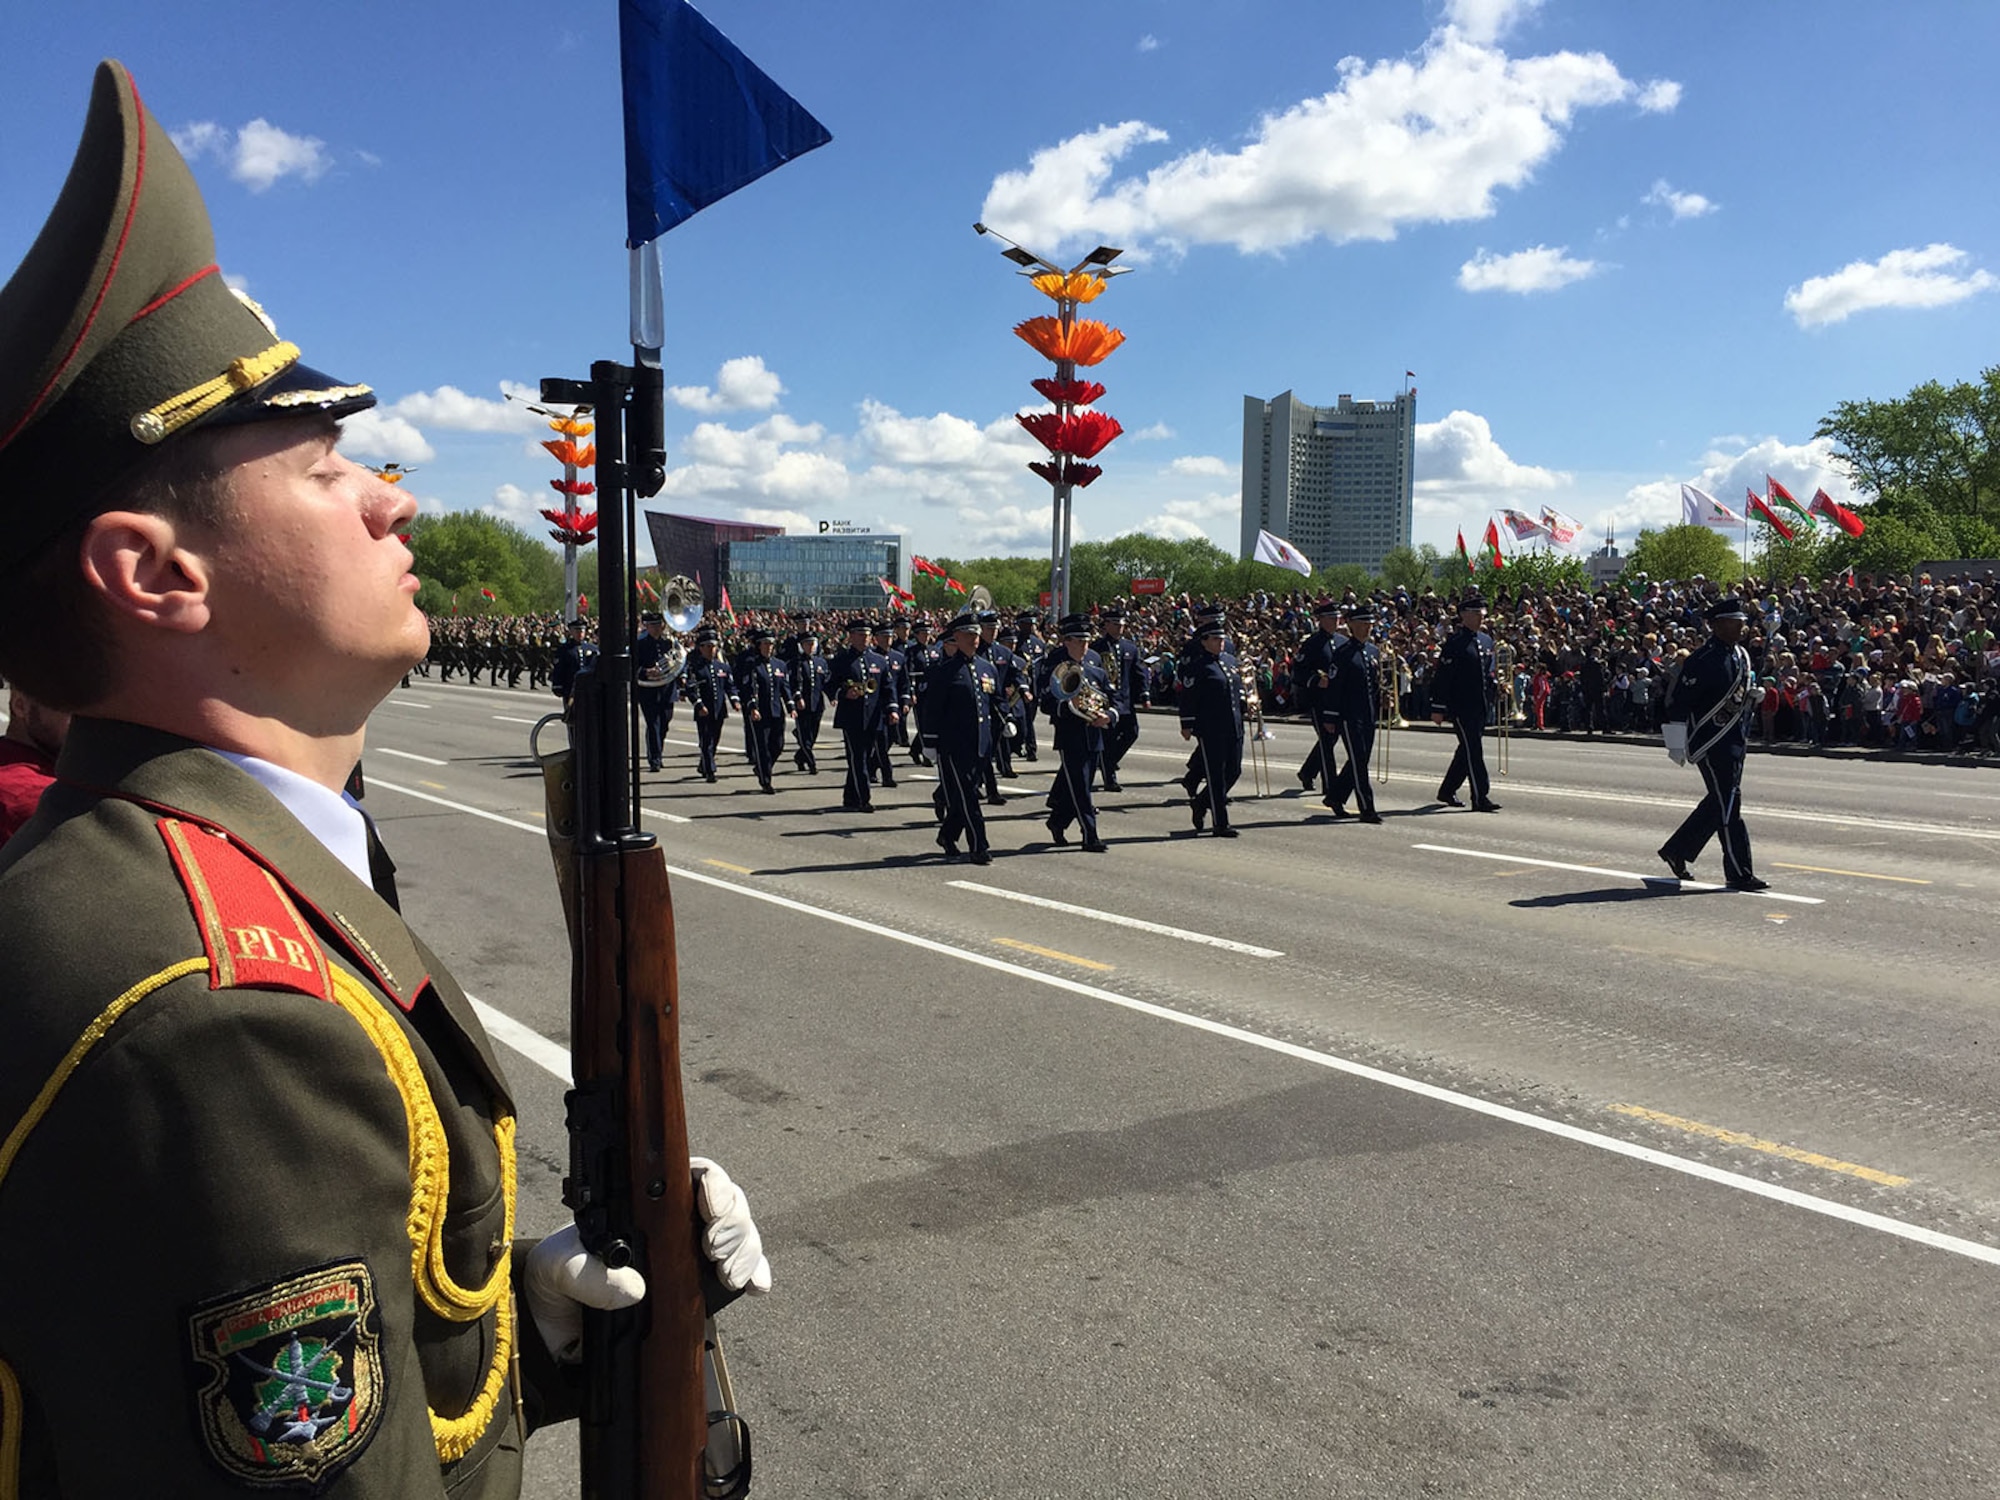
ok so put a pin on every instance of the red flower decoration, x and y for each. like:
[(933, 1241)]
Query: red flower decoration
[(1084, 434), (572, 486), (1069, 392), (1067, 471)]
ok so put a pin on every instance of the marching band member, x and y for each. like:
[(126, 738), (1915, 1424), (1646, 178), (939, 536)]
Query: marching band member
[(650, 687), (919, 656), (998, 762), (1211, 710), (957, 729), (890, 731), (1030, 653), (864, 696), (1312, 677), (712, 691), (1130, 689), (765, 690), (1353, 698), (1462, 691), (1079, 733), (1707, 722), (809, 676)]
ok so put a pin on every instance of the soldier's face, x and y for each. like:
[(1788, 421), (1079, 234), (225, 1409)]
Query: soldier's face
[(313, 586), (1361, 629), (967, 641)]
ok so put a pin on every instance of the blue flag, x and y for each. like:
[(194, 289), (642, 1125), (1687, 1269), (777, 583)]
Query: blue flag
[(701, 119)]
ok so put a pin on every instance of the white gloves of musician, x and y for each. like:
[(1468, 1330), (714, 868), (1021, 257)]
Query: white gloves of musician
[(1676, 737), (560, 1278)]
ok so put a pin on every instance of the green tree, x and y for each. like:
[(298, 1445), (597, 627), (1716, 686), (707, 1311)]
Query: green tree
[(466, 552), (1940, 442), (1540, 570), (1408, 568), (1682, 552)]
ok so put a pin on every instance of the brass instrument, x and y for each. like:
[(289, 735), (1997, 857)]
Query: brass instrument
[(1503, 672), (1079, 694), (1389, 708), (1114, 668), (680, 602), (1253, 711)]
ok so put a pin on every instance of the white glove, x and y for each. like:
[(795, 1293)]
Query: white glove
[(731, 1239), (1676, 737), (561, 1279)]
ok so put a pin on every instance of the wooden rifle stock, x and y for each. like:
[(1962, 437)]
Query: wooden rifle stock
[(644, 1423)]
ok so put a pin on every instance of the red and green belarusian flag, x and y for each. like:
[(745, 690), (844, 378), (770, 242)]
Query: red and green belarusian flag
[(1770, 517), (1460, 552), (1493, 544), (1779, 495), (1825, 505)]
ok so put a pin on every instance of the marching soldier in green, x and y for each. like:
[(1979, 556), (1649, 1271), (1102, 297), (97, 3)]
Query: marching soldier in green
[(256, 1152)]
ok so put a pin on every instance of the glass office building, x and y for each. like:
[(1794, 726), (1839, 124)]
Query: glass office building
[(693, 546), (1337, 482), (813, 572)]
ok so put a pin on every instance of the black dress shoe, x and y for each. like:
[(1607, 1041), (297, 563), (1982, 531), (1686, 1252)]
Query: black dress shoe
[(1447, 801), (950, 846), (709, 777), (769, 788), (1111, 784), (888, 783), (1749, 883), (1200, 811), (1340, 814), (996, 800), (1056, 834), (1675, 863), (1225, 833), (982, 858), (1306, 780), (1488, 806), (1095, 846), (1008, 775), (1371, 817)]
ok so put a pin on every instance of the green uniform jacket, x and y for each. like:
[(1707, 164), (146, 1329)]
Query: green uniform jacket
[(207, 1222)]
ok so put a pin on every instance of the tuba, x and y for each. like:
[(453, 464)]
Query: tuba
[(680, 602), (1079, 694)]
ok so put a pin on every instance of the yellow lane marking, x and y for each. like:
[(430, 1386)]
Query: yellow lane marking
[(436, 786), (723, 864), (1774, 1148), (1067, 958), (1857, 874)]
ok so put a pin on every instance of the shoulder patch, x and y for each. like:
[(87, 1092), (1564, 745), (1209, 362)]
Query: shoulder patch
[(254, 934), (288, 1377)]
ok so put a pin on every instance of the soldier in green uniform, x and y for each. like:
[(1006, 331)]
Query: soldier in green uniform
[(256, 1152)]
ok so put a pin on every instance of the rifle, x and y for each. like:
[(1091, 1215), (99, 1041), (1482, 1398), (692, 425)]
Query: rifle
[(646, 1431)]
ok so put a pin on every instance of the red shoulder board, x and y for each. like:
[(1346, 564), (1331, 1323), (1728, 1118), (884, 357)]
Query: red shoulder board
[(255, 937)]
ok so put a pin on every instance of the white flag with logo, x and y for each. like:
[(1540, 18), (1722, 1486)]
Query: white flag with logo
[(1699, 508), (1276, 550), (1563, 529)]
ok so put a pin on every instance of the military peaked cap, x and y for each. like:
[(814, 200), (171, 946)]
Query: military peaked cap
[(965, 619), (1074, 625), (1728, 609), (117, 332)]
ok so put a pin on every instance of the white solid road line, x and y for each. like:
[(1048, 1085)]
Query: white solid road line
[(427, 760), (1555, 864), (1862, 1218), (494, 817), (551, 1056), (510, 719), (401, 703), (1118, 919)]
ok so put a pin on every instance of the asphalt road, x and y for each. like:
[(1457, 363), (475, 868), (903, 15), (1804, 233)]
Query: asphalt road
[(1454, 1156)]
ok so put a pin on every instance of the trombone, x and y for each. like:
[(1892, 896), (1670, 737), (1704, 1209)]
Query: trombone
[(1253, 704), (1503, 672), (1389, 711)]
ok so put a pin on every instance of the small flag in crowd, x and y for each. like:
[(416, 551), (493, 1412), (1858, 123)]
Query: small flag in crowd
[(1825, 505), (954, 585), (1281, 553), (1699, 508), (1460, 552), (1779, 495), (1561, 528), (1493, 543), (1769, 516)]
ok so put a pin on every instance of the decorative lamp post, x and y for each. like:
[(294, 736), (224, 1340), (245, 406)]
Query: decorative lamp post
[(1074, 432), (573, 526)]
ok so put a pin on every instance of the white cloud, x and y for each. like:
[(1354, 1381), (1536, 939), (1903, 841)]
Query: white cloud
[(258, 155), (1199, 464), (1156, 433), (1726, 471), (1149, 43), (1660, 97), (742, 384), (1929, 277), (1460, 467), (1173, 528), (384, 437), (456, 411), (1486, 21), (1422, 139), (1681, 205), (512, 503), (1542, 269)]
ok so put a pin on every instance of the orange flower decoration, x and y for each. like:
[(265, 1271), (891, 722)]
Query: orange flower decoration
[(572, 426), (1085, 342), (563, 451), (1084, 286)]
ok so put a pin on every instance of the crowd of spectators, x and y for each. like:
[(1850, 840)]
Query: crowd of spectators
[(1907, 663)]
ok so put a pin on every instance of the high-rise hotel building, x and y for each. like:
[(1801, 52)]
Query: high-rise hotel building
[(1334, 481)]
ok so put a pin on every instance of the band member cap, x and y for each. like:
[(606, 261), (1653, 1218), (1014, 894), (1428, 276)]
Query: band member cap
[(652, 617), (1362, 611), (856, 624), (1327, 607), (118, 333), (965, 619), (1472, 599), (1728, 609), (1212, 628), (1074, 627), (707, 637)]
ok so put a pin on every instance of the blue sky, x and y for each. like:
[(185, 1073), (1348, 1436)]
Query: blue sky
[(1621, 245)]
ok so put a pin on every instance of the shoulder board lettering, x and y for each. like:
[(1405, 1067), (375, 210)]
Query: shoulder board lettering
[(254, 935)]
